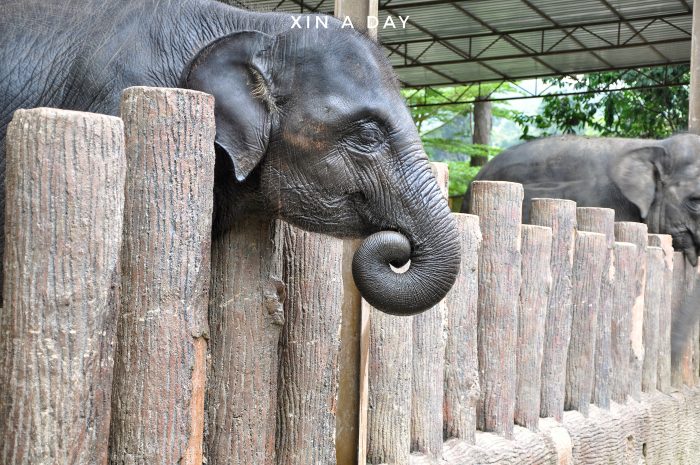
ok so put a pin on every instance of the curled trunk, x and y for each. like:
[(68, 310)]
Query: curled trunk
[(434, 253)]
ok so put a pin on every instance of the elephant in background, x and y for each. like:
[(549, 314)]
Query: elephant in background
[(310, 124), (650, 181)]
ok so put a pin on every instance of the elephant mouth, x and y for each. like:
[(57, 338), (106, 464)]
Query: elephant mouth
[(687, 241)]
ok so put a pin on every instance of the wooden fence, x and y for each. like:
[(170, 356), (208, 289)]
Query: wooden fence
[(128, 337)]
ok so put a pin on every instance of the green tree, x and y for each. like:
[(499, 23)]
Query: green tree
[(650, 112)]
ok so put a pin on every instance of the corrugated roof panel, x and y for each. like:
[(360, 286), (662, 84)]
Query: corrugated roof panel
[(543, 41), (573, 61), (419, 76), (464, 72)]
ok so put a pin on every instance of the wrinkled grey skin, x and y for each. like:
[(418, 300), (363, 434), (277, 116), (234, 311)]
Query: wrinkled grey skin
[(656, 182), (311, 126)]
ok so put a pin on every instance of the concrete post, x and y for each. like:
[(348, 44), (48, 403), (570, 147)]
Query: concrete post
[(694, 98)]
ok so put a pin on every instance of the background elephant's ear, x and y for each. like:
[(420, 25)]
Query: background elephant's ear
[(235, 69), (635, 174)]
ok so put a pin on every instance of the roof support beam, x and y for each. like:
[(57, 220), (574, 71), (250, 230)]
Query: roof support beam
[(694, 97)]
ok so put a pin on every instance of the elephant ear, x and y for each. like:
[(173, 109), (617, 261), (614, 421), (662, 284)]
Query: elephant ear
[(236, 70), (635, 173)]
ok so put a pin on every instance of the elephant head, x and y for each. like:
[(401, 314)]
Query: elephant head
[(311, 125), (663, 181)]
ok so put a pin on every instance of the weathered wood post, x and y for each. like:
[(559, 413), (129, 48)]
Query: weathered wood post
[(602, 220), (681, 367), (429, 366), (560, 215), (636, 233), (590, 260), (624, 294), (309, 347), (532, 314), (691, 375), (64, 208), (461, 362), (665, 242), (159, 369), (499, 207), (652, 309), (694, 88), (245, 317)]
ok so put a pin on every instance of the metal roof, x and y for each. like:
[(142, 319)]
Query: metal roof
[(448, 42)]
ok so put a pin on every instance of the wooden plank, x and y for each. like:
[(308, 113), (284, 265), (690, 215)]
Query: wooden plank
[(560, 215), (161, 339), (461, 362), (664, 241), (246, 317), (499, 207), (590, 260), (636, 233), (309, 347), (652, 309), (602, 220), (624, 293), (534, 296), (690, 375), (64, 178)]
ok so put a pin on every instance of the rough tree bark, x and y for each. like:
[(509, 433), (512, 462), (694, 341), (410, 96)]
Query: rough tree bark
[(636, 233), (621, 321), (664, 241), (652, 309), (309, 347), (602, 220), (461, 363), (499, 207), (560, 215), (590, 260), (534, 296), (246, 317), (159, 370), (64, 208)]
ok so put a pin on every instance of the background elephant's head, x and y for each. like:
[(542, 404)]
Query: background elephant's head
[(663, 181), (312, 124)]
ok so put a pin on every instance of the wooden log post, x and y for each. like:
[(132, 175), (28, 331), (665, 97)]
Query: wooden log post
[(690, 376), (159, 369), (428, 359), (602, 220), (665, 242), (64, 208), (245, 317), (309, 347), (624, 293), (461, 362), (636, 233), (680, 368), (560, 215), (652, 309), (389, 393), (590, 260), (499, 207), (532, 314)]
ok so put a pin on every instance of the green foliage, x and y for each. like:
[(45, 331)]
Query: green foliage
[(430, 109), (648, 113), (461, 174)]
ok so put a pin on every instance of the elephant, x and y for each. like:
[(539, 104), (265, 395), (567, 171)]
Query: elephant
[(656, 182), (311, 126), (650, 181)]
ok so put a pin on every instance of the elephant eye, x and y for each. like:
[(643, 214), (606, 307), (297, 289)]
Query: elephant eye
[(693, 203), (367, 138)]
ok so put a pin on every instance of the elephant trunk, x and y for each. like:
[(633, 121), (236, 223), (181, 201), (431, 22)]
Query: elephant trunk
[(434, 253)]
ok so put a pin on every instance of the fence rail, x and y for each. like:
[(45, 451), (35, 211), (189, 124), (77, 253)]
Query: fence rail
[(128, 336)]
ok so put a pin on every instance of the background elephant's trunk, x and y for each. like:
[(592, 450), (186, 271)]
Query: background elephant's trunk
[(433, 250)]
